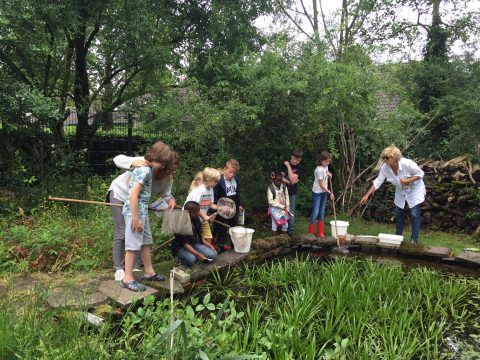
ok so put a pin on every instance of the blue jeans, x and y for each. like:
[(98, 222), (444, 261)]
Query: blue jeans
[(319, 202), (189, 259), (291, 221), (415, 213)]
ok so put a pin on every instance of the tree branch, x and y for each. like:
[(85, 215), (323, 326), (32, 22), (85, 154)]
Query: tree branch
[(295, 22)]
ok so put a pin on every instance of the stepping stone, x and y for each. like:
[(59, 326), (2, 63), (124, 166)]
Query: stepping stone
[(438, 251), (74, 297), (305, 239), (408, 248), (231, 257), (124, 297), (387, 247), (197, 273), (469, 258), (365, 239), (27, 283), (327, 240), (164, 287)]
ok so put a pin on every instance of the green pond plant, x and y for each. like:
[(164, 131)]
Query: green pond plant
[(293, 308)]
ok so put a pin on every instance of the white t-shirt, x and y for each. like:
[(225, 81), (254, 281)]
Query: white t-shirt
[(203, 196), (321, 173), (231, 187)]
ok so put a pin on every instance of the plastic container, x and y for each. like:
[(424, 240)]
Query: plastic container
[(241, 238), (342, 227), (390, 239), (241, 217)]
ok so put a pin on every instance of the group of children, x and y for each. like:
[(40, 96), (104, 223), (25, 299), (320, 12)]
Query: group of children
[(206, 189), (282, 193)]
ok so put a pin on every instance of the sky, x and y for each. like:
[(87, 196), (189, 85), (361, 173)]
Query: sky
[(267, 25)]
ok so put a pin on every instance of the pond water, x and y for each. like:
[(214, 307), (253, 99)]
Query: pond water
[(310, 305)]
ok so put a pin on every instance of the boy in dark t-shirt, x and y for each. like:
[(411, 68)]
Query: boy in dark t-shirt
[(292, 171)]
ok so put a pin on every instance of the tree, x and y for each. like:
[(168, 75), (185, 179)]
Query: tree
[(90, 53)]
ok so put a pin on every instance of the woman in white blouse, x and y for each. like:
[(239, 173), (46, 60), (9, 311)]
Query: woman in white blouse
[(407, 178), (118, 192)]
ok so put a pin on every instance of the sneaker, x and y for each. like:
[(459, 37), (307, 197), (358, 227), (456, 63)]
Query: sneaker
[(133, 286), (136, 270), (154, 277), (119, 274)]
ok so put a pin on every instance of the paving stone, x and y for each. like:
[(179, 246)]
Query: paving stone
[(412, 249), (27, 283), (124, 297), (327, 240), (365, 239), (164, 287), (197, 273), (388, 246), (305, 238), (74, 297), (231, 257), (437, 251), (469, 258)]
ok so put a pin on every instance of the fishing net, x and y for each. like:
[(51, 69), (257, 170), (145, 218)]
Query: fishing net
[(176, 221)]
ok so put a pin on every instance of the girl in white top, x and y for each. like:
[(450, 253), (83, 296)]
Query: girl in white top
[(320, 194), (407, 178), (201, 191), (118, 193)]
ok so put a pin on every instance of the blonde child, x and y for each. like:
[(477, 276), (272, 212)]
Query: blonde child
[(202, 193), (320, 194), (228, 186)]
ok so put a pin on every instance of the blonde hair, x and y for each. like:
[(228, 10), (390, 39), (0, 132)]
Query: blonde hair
[(210, 174), (233, 164), (393, 152), (197, 181), (206, 175)]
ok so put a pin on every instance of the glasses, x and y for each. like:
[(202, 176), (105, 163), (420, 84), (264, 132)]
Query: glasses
[(386, 157)]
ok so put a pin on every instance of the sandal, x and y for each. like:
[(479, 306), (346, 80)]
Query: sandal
[(133, 286), (154, 277)]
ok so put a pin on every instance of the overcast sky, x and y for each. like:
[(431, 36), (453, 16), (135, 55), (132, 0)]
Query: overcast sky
[(267, 26)]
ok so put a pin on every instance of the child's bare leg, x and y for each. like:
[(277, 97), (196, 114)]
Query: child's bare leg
[(129, 261), (145, 252)]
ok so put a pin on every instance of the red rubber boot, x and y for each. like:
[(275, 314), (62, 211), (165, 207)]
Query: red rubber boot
[(311, 228), (321, 225)]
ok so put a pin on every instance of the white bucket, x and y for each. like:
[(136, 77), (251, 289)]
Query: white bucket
[(342, 227), (241, 238)]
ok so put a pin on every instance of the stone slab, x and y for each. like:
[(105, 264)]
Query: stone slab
[(388, 246), (164, 287), (197, 273), (365, 239), (181, 275), (124, 297), (305, 239), (231, 257), (73, 297), (327, 240), (469, 258), (437, 251)]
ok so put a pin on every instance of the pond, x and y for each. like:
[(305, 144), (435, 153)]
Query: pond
[(304, 308), (296, 307)]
